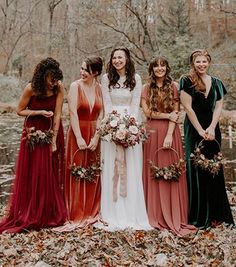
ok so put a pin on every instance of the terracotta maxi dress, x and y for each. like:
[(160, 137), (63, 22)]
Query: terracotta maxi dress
[(83, 197), (166, 201)]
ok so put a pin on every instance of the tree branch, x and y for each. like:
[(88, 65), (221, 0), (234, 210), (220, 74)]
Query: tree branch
[(128, 38), (142, 24)]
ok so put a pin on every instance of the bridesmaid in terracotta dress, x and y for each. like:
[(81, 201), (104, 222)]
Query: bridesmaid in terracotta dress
[(37, 198), (82, 146), (166, 201)]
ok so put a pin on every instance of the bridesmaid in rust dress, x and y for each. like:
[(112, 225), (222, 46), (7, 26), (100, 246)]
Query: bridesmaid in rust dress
[(82, 147), (166, 200), (37, 198)]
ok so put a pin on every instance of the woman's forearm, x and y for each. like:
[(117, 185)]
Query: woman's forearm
[(75, 124), (193, 119), (216, 113)]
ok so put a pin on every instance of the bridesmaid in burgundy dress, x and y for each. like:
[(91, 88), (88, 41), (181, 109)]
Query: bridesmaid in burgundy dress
[(37, 197), (166, 200), (82, 146)]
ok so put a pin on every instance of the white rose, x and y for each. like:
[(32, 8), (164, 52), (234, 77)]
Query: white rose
[(133, 129), (122, 126), (113, 123)]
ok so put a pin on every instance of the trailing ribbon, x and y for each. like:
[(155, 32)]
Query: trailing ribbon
[(120, 171)]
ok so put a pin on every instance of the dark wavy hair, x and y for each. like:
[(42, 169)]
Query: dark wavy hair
[(94, 65), (113, 75), (160, 99), (45, 67), (193, 74)]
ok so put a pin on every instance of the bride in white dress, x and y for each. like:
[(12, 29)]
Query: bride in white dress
[(121, 89)]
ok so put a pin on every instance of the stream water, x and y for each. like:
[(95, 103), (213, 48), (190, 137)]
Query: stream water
[(10, 132)]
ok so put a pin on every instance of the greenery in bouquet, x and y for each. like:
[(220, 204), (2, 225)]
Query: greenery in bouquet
[(211, 165), (37, 137), (171, 172), (85, 173), (123, 130)]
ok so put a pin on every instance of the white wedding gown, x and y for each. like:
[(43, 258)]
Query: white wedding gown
[(129, 211)]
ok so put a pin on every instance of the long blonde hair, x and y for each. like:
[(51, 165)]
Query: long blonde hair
[(193, 75), (160, 99)]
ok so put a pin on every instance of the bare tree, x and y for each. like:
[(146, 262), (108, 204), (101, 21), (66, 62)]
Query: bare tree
[(51, 7), (15, 27)]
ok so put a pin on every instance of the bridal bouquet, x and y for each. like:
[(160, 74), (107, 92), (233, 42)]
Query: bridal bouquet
[(123, 130)]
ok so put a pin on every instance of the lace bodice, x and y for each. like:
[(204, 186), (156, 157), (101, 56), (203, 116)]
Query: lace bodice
[(121, 96)]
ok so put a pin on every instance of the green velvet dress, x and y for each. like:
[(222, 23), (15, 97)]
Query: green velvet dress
[(208, 201)]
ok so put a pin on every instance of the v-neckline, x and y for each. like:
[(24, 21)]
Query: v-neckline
[(206, 96), (89, 104)]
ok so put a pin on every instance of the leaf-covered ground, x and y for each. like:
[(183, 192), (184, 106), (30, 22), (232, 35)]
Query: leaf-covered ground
[(215, 246)]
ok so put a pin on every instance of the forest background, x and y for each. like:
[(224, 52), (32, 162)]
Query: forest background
[(70, 30)]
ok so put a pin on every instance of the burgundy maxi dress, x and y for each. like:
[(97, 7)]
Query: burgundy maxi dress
[(37, 198)]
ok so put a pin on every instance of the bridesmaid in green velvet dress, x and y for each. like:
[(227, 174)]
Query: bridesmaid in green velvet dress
[(202, 97)]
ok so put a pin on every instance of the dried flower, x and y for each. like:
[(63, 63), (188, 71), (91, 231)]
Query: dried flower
[(211, 165), (171, 172), (37, 137), (87, 174)]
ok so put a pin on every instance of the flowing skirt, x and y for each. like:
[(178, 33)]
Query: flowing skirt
[(127, 211)]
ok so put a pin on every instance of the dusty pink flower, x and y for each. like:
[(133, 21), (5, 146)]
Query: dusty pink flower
[(120, 134)]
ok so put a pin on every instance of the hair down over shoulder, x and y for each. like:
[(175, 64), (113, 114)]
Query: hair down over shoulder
[(113, 75), (193, 75), (160, 99)]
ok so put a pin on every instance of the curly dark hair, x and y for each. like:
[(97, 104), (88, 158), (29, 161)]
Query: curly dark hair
[(113, 75), (160, 99), (45, 67)]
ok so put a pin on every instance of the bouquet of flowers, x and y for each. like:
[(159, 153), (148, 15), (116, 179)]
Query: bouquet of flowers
[(85, 173), (212, 165), (123, 130), (38, 137), (170, 172)]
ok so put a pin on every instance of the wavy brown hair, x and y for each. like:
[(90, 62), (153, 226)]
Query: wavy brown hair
[(193, 74), (160, 99), (45, 67), (113, 75)]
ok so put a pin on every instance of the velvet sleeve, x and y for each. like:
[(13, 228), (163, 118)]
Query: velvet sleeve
[(220, 89), (186, 85)]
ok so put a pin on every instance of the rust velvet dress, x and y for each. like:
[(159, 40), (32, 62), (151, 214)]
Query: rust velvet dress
[(37, 197), (166, 201), (83, 197)]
